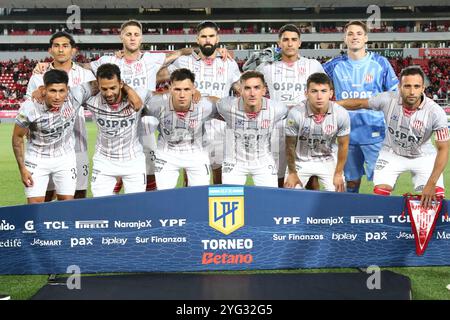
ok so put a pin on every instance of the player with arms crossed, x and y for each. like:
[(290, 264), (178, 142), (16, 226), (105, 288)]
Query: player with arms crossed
[(49, 126), (62, 49), (361, 74), (215, 75), (181, 127), (312, 129), (411, 119), (250, 122), (286, 81)]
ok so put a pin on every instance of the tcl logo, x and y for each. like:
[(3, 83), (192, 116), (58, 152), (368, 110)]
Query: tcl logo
[(56, 225)]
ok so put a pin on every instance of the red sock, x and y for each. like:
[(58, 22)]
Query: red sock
[(382, 191)]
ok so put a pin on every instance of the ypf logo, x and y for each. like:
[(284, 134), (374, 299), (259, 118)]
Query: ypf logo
[(226, 208)]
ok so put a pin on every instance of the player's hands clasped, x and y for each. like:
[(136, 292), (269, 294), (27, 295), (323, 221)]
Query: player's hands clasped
[(292, 181)]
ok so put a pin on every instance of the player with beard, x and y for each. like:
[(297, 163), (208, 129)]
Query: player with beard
[(214, 76)]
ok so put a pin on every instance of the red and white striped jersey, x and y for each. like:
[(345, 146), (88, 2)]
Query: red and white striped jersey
[(316, 135), (139, 73), (181, 132), (117, 127), (77, 75), (247, 137), (213, 77), (408, 133), (51, 133), (287, 81)]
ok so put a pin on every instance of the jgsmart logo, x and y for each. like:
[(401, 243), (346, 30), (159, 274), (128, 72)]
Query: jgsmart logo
[(226, 208)]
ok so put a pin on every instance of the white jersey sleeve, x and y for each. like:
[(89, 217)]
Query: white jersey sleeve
[(343, 121), (102, 60), (81, 93), (316, 66), (179, 63), (26, 115), (36, 80), (381, 101), (235, 73), (292, 122)]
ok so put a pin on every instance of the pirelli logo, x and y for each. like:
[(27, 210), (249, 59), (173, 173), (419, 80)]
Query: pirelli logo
[(366, 219), (92, 224)]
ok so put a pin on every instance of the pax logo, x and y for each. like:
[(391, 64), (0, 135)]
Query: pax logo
[(81, 242), (376, 236)]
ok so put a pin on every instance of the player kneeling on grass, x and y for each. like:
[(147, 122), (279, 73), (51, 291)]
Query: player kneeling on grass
[(411, 118), (181, 128), (250, 122), (50, 150), (312, 129), (118, 153)]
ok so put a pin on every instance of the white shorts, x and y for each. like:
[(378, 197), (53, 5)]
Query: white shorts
[(215, 135), (390, 165), (106, 171), (62, 170), (264, 175), (168, 165), (82, 172), (324, 170), (147, 138)]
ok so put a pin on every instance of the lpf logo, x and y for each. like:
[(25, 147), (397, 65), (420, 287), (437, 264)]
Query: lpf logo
[(226, 208)]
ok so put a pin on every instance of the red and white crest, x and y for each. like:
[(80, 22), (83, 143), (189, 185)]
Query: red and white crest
[(220, 71), (301, 69), (328, 129), (423, 220), (265, 123), (138, 67), (368, 78), (418, 125), (193, 123)]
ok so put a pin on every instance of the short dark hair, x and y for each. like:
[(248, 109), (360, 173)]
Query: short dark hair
[(412, 70), (131, 22), (288, 27), (206, 24), (182, 74), (62, 34), (319, 78), (357, 23), (108, 71), (252, 74), (55, 76)]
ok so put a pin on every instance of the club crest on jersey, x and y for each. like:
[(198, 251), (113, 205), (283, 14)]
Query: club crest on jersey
[(265, 124), (418, 125), (423, 220), (226, 208), (368, 78), (193, 123), (138, 67), (302, 70), (328, 129), (220, 71)]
